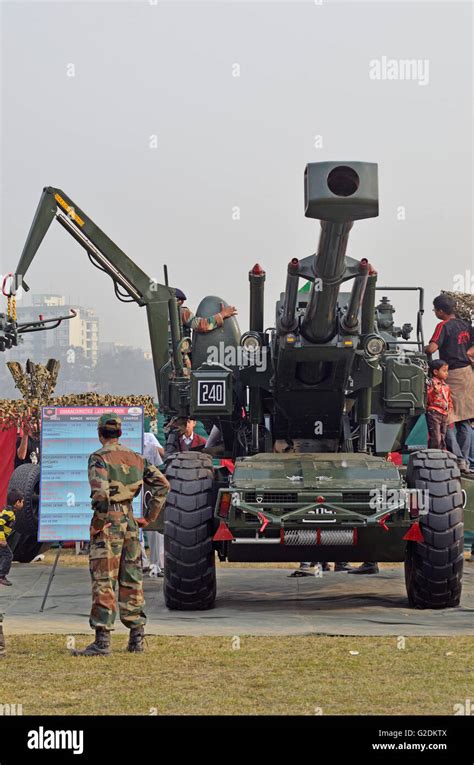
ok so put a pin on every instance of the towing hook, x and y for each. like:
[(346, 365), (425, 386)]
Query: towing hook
[(4, 281)]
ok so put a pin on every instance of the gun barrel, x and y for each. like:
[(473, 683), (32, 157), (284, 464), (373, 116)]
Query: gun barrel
[(350, 321), (337, 194), (175, 331), (288, 320), (319, 322), (257, 287)]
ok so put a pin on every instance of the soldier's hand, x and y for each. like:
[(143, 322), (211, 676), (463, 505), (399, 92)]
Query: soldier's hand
[(96, 531), (177, 424), (142, 522), (3, 543), (228, 311)]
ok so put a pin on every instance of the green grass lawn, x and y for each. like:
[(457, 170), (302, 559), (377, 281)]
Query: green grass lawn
[(266, 675)]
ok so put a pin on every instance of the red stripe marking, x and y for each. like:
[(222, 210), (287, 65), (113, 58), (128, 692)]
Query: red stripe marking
[(437, 331)]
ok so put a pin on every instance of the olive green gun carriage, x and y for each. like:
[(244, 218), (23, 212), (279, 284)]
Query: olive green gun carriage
[(301, 415)]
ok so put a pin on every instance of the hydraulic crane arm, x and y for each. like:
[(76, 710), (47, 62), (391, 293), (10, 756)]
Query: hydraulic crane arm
[(131, 284), (54, 203)]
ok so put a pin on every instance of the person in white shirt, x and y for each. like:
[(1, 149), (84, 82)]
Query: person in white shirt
[(153, 452)]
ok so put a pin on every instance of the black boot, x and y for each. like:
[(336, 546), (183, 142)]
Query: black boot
[(2, 643), (135, 641), (366, 568), (100, 646), (343, 566)]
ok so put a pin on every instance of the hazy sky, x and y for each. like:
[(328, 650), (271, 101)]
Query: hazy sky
[(167, 69)]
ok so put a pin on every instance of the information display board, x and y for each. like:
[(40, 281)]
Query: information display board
[(68, 437)]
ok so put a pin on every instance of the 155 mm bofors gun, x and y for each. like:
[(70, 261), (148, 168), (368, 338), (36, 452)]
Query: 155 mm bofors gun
[(304, 413)]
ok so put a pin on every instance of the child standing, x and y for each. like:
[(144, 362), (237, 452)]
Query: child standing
[(15, 502), (439, 405)]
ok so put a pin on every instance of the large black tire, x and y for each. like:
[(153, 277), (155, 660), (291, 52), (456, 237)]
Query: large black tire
[(26, 478), (433, 568), (28, 548), (190, 564)]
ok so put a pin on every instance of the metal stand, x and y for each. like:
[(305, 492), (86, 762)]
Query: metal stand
[(51, 576)]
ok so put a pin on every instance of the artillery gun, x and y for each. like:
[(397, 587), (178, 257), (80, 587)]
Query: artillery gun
[(306, 410)]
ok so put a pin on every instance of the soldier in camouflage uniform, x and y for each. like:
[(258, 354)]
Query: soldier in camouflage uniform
[(198, 323), (116, 476)]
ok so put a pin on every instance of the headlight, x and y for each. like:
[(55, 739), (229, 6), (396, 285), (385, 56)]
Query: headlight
[(374, 345), (251, 341)]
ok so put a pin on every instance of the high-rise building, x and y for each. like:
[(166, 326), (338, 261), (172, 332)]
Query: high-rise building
[(84, 333)]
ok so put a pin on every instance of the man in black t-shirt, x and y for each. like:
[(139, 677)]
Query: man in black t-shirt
[(28, 446), (454, 339)]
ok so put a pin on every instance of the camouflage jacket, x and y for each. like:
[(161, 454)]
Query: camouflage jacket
[(116, 474), (199, 324)]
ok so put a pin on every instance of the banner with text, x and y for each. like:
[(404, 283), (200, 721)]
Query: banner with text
[(68, 437)]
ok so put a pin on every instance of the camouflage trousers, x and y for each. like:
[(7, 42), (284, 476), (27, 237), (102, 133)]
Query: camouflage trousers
[(115, 556)]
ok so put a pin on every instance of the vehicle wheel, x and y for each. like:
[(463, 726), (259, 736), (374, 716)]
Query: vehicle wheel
[(28, 548), (190, 565), (433, 568), (26, 478)]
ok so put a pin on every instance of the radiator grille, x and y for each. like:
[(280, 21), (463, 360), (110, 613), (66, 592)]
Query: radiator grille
[(280, 497), (248, 518), (357, 496)]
